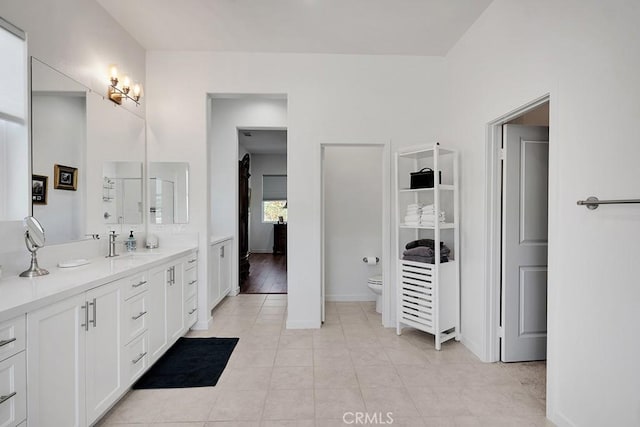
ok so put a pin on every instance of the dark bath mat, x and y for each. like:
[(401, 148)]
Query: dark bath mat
[(190, 362)]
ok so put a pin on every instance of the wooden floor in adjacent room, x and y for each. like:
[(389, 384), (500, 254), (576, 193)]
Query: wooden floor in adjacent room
[(267, 275)]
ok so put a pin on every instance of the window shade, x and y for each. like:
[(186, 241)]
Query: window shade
[(274, 187), (13, 74)]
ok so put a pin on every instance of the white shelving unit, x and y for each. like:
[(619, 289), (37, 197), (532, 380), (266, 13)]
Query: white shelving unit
[(428, 295)]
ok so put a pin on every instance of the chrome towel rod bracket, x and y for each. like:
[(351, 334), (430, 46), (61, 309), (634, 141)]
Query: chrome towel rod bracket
[(593, 202)]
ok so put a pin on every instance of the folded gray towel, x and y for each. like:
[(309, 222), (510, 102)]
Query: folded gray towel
[(424, 259), (419, 251)]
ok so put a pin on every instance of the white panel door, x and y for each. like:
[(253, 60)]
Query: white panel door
[(524, 243), (55, 364), (103, 349)]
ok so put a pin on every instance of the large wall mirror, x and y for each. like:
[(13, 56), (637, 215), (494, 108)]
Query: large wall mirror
[(168, 193), (75, 134)]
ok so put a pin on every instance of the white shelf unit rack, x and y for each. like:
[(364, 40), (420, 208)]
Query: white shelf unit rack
[(428, 295)]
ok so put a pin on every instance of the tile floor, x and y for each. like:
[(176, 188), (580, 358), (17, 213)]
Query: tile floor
[(280, 377)]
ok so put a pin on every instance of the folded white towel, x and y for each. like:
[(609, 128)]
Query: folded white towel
[(411, 218), (432, 217)]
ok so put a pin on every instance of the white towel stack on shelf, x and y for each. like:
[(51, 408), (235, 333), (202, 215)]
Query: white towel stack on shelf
[(428, 216), (414, 211)]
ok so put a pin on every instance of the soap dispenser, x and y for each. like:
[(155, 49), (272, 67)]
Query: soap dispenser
[(131, 242)]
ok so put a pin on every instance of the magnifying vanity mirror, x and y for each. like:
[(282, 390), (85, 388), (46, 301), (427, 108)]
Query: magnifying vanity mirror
[(168, 193), (34, 239)]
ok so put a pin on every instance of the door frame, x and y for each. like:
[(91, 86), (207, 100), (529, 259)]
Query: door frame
[(386, 219), (235, 281), (493, 229)]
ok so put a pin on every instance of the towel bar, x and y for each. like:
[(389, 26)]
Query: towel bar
[(593, 202), (365, 259)]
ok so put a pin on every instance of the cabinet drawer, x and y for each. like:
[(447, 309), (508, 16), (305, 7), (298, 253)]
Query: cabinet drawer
[(190, 283), (136, 316), (135, 284), (136, 358), (12, 337), (191, 311), (191, 262), (13, 390)]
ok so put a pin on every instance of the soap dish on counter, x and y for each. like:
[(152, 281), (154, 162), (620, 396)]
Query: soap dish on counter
[(73, 263)]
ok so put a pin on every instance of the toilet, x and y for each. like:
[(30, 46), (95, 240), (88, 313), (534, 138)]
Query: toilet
[(375, 284)]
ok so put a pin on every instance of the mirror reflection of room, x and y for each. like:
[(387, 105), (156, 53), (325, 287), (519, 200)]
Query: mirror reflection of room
[(59, 135), (168, 188), (122, 192)]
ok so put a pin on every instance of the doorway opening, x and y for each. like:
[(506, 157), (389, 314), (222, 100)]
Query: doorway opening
[(262, 210), (517, 244), (517, 161), (355, 241)]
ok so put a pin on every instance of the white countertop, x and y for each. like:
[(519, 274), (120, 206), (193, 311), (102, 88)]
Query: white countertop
[(19, 295), (217, 239)]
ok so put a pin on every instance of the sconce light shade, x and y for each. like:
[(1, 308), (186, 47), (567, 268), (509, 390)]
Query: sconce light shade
[(118, 93)]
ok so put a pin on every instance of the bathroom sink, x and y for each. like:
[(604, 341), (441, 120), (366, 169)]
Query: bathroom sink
[(136, 256)]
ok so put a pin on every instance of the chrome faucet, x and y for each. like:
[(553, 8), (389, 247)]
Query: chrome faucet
[(112, 245)]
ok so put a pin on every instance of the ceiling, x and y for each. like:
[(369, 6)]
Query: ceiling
[(263, 141), (379, 27)]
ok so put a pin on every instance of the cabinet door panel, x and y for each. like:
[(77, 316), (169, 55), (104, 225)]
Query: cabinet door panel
[(103, 349), (175, 303), (56, 363), (225, 269), (157, 313), (213, 286)]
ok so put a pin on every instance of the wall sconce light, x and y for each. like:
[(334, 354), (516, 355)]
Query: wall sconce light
[(118, 93)]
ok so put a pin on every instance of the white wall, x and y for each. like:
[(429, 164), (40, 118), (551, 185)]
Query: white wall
[(261, 233), (79, 38), (59, 132), (353, 220), (352, 97), (586, 55)]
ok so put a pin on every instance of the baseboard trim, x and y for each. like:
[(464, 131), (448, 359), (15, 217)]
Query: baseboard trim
[(303, 324), (261, 251), (202, 325), (350, 298)]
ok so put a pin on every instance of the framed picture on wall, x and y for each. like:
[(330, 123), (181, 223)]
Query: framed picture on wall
[(39, 189), (65, 178)]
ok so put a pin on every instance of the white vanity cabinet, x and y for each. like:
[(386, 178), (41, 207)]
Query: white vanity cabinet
[(190, 291), (56, 363), (13, 396), (173, 290), (85, 351), (75, 358), (103, 349), (156, 313), (220, 271), (175, 302)]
